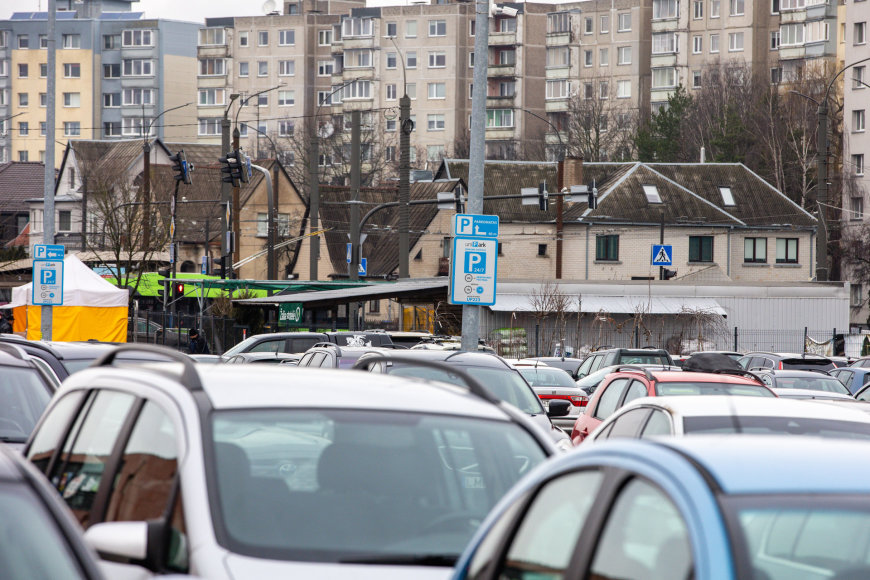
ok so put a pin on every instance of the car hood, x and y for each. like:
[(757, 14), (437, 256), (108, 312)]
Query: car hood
[(246, 567)]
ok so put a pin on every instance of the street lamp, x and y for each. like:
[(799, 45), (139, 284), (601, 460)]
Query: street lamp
[(405, 128), (314, 177), (226, 188), (146, 174), (272, 192)]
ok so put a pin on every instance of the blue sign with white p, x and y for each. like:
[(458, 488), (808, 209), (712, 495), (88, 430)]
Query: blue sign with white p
[(475, 262), (473, 225), (48, 277)]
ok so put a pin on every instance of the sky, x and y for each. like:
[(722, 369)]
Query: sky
[(193, 11)]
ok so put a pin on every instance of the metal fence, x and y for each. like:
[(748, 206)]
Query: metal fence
[(172, 330)]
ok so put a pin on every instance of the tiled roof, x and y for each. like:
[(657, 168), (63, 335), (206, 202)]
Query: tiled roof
[(20, 182), (197, 153), (381, 247), (100, 155)]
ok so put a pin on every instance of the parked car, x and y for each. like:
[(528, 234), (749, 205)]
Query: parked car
[(332, 356), (287, 342), (782, 361), (39, 350), (24, 394), (555, 384), (703, 507), (148, 331), (407, 339), (448, 343), (623, 356), (355, 338), (177, 469), (811, 394), (499, 377), (653, 416), (263, 358), (629, 382), (862, 362), (568, 364), (40, 537), (853, 377), (806, 380), (591, 381)]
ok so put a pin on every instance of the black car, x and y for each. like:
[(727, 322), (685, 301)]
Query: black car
[(500, 378), (623, 356), (785, 360)]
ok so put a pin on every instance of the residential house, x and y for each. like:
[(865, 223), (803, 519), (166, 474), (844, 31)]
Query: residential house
[(18, 183)]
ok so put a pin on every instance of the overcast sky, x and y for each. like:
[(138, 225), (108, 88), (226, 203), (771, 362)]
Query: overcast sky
[(193, 10)]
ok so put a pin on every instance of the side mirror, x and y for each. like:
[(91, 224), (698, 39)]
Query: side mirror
[(153, 544), (558, 408)]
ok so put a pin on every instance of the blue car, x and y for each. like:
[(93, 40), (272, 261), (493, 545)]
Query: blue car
[(853, 377), (692, 508)]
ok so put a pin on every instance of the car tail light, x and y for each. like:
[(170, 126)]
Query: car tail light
[(576, 400), (780, 365)]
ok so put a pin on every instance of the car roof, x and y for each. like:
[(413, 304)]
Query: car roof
[(806, 355), (724, 406), (14, 357), (675, 376), (808, 394), (794, 373), (478, 359)]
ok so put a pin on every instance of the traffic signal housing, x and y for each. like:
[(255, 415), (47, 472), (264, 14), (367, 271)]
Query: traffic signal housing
[(181, 167), (667, 273), (244, 166), (178, 290), (231, 168)]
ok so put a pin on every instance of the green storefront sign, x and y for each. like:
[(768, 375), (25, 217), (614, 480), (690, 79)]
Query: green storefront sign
[(290, 313)]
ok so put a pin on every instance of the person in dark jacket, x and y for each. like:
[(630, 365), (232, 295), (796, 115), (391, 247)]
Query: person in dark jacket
[(5, 322), (198, 344)]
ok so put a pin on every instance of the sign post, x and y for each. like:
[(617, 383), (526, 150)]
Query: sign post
[(47, 286), (474, 265)]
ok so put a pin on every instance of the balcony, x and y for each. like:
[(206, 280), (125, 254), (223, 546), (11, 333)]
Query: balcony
[(792, 52), (211, 51), (500, 101), (557, 72), (556, 105), (663, 59), (358, 42), (501, 70), (502, 38), (559, 38)]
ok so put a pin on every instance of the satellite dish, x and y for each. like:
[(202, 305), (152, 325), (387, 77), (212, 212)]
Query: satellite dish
[(326, 130), (269, 6)]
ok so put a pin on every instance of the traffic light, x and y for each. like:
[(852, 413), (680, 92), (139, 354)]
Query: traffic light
[(244, 166), (230, 168), (667, 274), (178, 292), (181, 167), (543, 197), (593, 198)]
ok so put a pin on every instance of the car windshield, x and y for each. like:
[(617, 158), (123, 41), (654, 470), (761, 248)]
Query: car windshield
[(76, 364), (23, 397), (699, 388), (544, 377), (777, 425), (242, 346), (812, 383), (360, 486), (504, 383), (782, 538)]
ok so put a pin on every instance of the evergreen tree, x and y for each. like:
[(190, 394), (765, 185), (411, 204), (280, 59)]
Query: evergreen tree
[(659, 139)]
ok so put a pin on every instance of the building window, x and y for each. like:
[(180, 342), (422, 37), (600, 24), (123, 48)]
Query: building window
[(43, 99), (698, 9), (542, 250), (72, 100), (437, 59), (623, 89), (392, 29), (139, 38), (499, 118), (714, 43), (774, 40), (623, 55), (437, 28), (209, 126), (286, 37), (857, 292), (43, 128), (434, 153), (64, 220), (358, 58), (325, 68), (392, 60), (353, 27), (588, 25), (858, 78), (604, 24), (774, 6), (755, 250), (138, 96), (243, 39), (263, 38), (210, 67), (557, 56), (437, 90), (411, 91), (700, 248), (664, 43), (324, 37), (72, 70), (786, 250), (243, 69), (286, 68), (411, 29), (714, 8), (390, 153), (23, 42), (860, 36), (43, 41), (603, 57), (23, 156), (856, 209), (358, 90), (697, 44), (624, 24), (211, 97), (664, 77), (374, 306), (286, 98), (664, 9), (858, 163), (72, 129), (858, 120), (603, 90), (558, 89), (411, 59), (23, 71), (111, 71), (737, 7), (112, 129), (263, 68), (435, 122), (111, 100), (137, 126), (23, 129), (111, 41), (23, 99), (71, 41), (286, 128), (557, 22), (727, 197), (391, 92), (141, 67), (606, 248), (735, 41)]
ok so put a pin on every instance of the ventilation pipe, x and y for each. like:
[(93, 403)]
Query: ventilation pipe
[(703, 155)]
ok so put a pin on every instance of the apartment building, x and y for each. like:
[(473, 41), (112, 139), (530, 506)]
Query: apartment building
[(115, 72), (856, 141)]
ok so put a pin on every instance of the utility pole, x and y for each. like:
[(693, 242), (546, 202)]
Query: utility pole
[(355, 249), (822, 192), (226, 188), (236, 206), (471, 313), (49, 181), (405, 125), (314, 200)]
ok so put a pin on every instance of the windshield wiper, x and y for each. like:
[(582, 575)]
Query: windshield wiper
[(404, 559), (13, 439)]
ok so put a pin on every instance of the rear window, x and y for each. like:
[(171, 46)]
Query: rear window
[(686, 388), (774, 425), (644, 359), (807, 364)]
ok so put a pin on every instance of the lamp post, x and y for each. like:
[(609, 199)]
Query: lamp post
[(314, 186), (226, 188), (146, 175), (272, 192), (405, 128)]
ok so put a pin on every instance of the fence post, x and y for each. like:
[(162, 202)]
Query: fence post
[(636, 337), (537, 339), (735, 339), (148, 326), (804, 350)]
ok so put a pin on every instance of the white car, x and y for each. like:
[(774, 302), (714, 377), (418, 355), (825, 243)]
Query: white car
[(244, 471), (652, 416)]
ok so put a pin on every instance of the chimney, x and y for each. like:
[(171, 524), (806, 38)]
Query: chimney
[(703, 155), (573, 171)]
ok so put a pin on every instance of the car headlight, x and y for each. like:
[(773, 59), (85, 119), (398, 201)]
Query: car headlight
[(565, 445)]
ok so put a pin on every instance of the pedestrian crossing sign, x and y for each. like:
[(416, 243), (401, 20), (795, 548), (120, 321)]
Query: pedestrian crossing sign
[(662, 255)]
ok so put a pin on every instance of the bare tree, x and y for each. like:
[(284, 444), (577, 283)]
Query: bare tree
[(549, 301), (599, 126)]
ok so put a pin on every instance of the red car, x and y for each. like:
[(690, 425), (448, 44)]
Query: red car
[(628, 383)]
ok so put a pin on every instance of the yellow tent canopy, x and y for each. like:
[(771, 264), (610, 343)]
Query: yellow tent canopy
[(92, 308)]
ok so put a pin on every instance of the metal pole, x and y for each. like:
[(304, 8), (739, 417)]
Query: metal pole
[(236, 207), (404, 183), (270, 227), (560, 184), (471, 313), (822, 193), (226, 195), (354, 210), (48, 181), (314, 202), (173, 246)]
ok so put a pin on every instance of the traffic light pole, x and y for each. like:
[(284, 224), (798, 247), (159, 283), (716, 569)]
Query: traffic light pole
[(173, 246)]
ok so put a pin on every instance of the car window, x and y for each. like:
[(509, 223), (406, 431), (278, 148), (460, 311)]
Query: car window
[(644, 538), (490, 545), (586, 366), (268, 346), (306, 358), (548, 534), (744, 362), (636, 390), (658, 424), (628, 424), (766, 379), (79, 470), (303, 344), (643, 359), (863, 394), (24, 395), (316, 359), (49, 435), (610, 398)]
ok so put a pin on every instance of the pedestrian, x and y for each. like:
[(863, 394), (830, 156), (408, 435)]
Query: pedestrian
[(198, 344), (5, 322)]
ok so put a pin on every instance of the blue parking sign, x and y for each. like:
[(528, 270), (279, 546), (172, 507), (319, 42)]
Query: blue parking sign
[(475, 262)]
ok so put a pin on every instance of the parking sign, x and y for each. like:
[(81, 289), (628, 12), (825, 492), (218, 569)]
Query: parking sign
[(47, 283), (473, 275)]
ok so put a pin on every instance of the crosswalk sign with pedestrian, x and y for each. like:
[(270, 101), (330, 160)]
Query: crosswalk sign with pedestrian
[(662, 255)]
